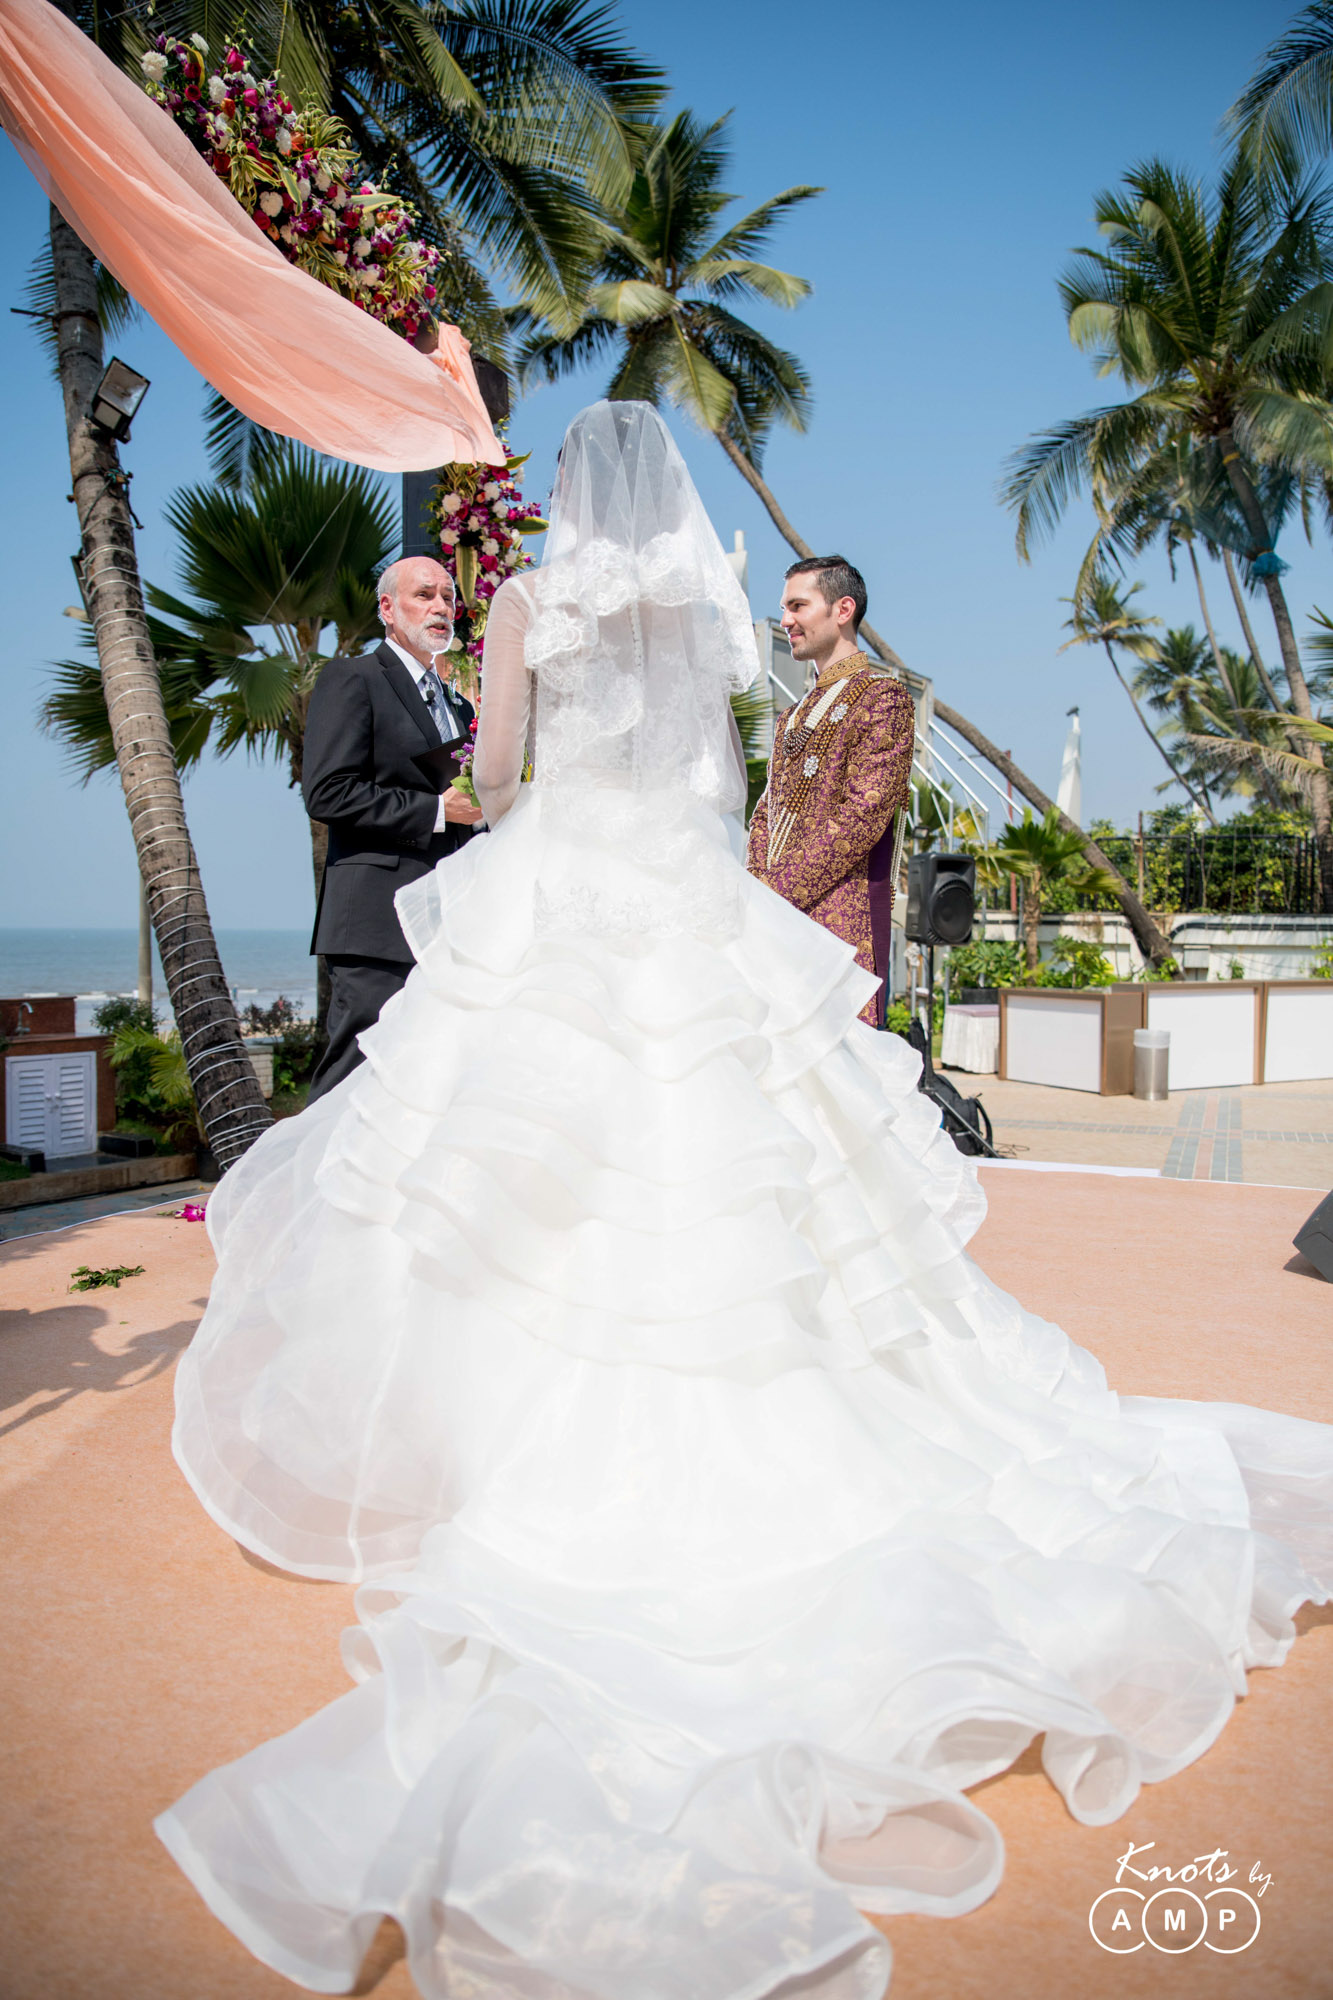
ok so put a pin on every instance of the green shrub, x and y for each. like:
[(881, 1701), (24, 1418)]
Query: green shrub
[(294, 1056), (158, 1088), (122, 1012), (1321, 966), (1075, 962), (985, 962)]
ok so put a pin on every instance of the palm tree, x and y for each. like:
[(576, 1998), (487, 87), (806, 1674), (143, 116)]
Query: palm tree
[(659, 305), (1284, 118), (500, 120), (1103, 616), (1215, 312), (295, 553), (1172, 684), (1183, 495), (1042, 851), (231, 1106)]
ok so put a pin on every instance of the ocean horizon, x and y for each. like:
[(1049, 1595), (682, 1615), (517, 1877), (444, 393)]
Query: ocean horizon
[(97, 965)]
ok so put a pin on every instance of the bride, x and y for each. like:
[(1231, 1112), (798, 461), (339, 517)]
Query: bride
[(718, 1524)]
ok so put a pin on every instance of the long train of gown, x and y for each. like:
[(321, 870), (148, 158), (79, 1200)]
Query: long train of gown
[(718, 1523)]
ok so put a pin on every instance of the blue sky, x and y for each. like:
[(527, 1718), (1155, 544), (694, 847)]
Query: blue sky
[(960, 152)]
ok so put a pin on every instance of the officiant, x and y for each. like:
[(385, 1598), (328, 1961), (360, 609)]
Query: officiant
[(381, 741)]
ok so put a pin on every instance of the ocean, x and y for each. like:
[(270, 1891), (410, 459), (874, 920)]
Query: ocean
[(94, 965)]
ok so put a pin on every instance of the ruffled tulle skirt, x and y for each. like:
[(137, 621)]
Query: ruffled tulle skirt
[(718, 1524)]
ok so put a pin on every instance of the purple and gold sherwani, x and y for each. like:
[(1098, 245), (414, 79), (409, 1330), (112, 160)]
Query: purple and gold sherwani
[(822, 833)]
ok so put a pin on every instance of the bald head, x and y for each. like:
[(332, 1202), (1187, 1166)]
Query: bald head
[(417, 606)]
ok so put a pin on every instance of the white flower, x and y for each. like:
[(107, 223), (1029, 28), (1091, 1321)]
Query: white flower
[(369, 279), (200, 44), (490, 491), (153, 64), (340, 197), (286, 233), (217, 89), (449, 537), (810, 766), (361, 247), (340, 256), (323, 181), (284, 139), (511, 557), (271, 203), (490, 547), (516, 538), (303, 187), (452, 502)]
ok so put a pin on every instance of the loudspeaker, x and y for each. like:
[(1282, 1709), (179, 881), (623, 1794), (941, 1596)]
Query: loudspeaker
[(1314, 1238), (941, 898), (419, 538)]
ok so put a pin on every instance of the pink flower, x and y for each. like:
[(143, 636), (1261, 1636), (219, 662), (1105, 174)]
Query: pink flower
[(250, 97), (235, 60)]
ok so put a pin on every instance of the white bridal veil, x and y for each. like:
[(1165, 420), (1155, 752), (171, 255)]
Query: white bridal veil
[(640, 630)]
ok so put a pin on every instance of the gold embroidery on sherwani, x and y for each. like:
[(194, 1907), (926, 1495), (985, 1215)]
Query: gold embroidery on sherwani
[(810, 728)]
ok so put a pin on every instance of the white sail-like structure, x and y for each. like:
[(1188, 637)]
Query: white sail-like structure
[(1069, 798)]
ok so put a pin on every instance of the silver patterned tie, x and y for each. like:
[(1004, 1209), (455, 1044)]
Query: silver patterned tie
[(433, 696)]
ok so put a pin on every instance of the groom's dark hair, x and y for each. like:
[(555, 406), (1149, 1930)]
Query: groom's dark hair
[(835, 577)]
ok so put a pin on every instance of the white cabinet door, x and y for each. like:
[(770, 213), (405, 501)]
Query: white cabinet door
[(51, 1103)]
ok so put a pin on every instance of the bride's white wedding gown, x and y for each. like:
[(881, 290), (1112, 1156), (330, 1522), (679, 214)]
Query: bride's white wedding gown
[(721, 1524)]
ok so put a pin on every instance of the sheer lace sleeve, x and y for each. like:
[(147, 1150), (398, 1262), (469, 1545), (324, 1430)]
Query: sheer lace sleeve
[(506, 701)]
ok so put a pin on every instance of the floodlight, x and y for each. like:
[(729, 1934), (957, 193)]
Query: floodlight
[(119, 394)]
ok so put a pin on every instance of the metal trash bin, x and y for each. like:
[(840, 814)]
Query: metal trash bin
[(1152, 1057)]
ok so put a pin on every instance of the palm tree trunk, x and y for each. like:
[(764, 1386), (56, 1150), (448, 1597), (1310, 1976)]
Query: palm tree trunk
[(231, 1107), (1239, 723), (1320, 802), (1032, 920), (1155, 739), (1296, 743), (1146, 934)]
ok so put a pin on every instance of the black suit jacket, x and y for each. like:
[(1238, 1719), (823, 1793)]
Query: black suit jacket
[(373, 771)]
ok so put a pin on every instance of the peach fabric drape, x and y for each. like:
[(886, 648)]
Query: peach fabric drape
[(283, 348)]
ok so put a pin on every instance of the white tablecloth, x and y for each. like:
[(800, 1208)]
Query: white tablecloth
[(971, 1039)]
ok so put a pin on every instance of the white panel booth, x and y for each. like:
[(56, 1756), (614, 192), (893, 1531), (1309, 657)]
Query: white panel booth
[(1214, 1029), (1298, 1031)]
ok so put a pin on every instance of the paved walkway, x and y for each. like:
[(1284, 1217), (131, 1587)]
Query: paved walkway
[(1278, 1134), (47, 1216)]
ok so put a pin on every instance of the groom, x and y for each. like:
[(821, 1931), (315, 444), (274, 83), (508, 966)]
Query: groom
[(376, 768), (823, 831)]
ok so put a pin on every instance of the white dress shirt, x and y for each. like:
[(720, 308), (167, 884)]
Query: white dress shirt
[(422, 677)]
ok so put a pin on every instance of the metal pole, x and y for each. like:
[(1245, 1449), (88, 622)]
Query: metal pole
[(145, 949)]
